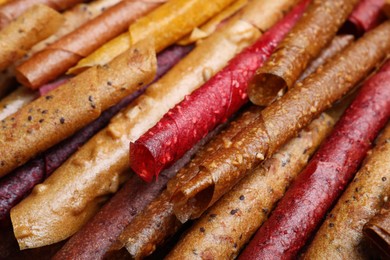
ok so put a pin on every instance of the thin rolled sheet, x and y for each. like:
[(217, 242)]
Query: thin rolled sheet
[(74, 18), (190, 120), (26, 177), (13, 9), (366, 15), (57, 115), (231, 222), (15, 101), (317, 188), (377, 230), (36, 24), (95, 239), (313, 32), (341, 236), (279, 122), (211, 25), (58, 57), (94, 172), (165, 25)]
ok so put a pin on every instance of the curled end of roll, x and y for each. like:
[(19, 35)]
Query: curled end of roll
[(266, 88)]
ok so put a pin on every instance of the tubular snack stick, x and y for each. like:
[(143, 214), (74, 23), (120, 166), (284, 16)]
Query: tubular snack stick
[(366, 15), (92, 173), (305, 41), (58, 57), (57, 155), (341, 236), (377, 230), (211, 25), (190, 120), (165, 25), (314, 191), (94, 240), (13, 9), (157, 222), (74, 18), (279, 122), (57, 115), (36, 24), (231, 222), (16, 100)]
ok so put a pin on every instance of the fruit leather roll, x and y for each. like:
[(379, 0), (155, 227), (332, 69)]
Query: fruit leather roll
[(315, 190), (314, 31), (13, 9), (36, 24), (57, 115), (377, 230), (206, 107), (157, 222), (366, 15), (280, 122), (58, 57), (165, 25), (341, 235), (23, 179), (95, 239), (74, 18), (95, 171), (230, 223)]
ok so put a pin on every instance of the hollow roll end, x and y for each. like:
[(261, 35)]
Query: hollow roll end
[(265, 88)]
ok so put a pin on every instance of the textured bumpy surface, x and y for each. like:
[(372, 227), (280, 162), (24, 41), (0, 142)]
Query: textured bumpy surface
[(34, 25), (57, 115), (210, 105), (315, 190), (305, 41), (280, 122), (23, 179), (64, 53)]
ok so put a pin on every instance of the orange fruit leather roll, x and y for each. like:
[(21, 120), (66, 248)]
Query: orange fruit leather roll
[(158, 222), (341, 235), (230, 223), (16, 100), (314, 31), (36, 24), (73, 193), (165, 25), (279, 122), (57, 115), (58, 57), (14, 8)]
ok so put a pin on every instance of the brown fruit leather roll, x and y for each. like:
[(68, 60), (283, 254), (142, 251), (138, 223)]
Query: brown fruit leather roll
[(280, 122), (314, 31), (58, 57), (57, 115), (157, 222), (95, 170), (341, 236), (12, 9), (94, 240), (226, 227), (377, 230), (34, 25)]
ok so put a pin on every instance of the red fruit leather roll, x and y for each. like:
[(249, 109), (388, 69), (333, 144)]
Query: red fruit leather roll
[(95, 239), (190, 120), (366, 15), (58, 57), (303, 207), (12, 9), (19, 184)]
